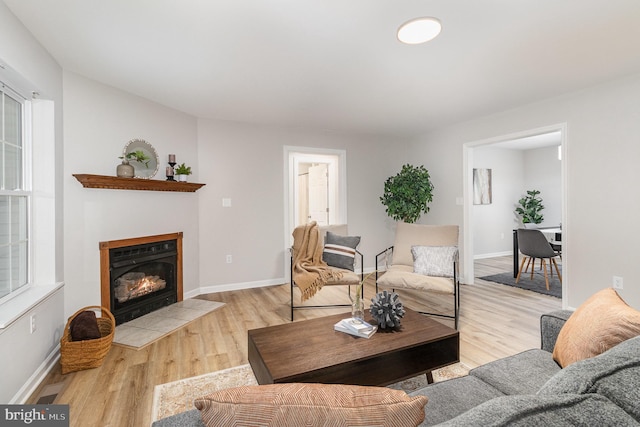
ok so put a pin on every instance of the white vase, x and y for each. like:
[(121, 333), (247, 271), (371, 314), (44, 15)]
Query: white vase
[(182, 178), (125, 170)]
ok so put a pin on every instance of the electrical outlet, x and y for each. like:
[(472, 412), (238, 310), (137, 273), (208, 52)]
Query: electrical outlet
[(229, 259), (617, 282), (32, 324)]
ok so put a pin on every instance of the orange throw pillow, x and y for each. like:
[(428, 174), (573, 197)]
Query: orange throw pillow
[(601, 322), (297, 404)]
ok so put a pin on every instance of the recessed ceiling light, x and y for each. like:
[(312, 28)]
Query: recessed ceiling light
[(419, 30)]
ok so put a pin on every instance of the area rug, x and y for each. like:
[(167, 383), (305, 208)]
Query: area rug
[(536, 285), (149, 328), (178, 396)]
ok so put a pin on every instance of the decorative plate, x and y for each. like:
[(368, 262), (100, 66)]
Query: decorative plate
[(143, 157)]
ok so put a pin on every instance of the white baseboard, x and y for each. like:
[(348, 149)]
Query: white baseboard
[(234, 287), (38, 376), (492, 255), (245, 285)]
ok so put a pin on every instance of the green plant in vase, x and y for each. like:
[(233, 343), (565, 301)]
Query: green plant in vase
[(138, 156), (182, 171)]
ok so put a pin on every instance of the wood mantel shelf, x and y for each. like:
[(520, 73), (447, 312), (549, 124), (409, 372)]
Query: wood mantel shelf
[(115, 183)]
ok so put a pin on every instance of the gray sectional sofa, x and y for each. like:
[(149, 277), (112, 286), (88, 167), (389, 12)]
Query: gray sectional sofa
[(530, 389)]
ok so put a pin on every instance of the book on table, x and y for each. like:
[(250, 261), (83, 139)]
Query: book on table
[(357, 327)]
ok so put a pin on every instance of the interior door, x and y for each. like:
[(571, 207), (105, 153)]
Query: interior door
[(303, 199), (319, 194)]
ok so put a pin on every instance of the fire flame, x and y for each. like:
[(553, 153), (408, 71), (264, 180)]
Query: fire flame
[(134, 285)]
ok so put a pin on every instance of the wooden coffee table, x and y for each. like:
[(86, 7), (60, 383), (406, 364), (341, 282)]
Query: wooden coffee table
[(312, 351)]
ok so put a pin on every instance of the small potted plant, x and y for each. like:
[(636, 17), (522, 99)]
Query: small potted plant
[(530, 208), (182, 171)]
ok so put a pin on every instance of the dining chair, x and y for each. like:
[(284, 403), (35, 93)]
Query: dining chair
[(533, 244)]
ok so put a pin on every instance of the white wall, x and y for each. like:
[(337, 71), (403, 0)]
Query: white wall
[(542, 172), (99, 120), (601, 167), (493, 224), (25, 356), (246, 164)]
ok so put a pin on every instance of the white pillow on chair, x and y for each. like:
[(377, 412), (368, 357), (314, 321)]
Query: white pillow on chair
[(436, 261), (408, 235)]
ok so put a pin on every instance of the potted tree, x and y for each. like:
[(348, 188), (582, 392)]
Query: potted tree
[(182, 171), (530, 208), (408, 194)]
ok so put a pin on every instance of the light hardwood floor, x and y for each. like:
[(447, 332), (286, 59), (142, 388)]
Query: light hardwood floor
[(495, 321)]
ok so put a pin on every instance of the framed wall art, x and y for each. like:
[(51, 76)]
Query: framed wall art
[(481, 186)]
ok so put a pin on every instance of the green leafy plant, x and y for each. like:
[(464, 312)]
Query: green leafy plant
[(138, 156), (530, 208), (183, 169), (408, 194)]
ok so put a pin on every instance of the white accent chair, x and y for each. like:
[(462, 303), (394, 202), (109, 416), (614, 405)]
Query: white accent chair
[(399, 263)]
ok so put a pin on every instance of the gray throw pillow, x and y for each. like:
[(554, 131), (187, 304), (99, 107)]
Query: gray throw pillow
[(340, 251)]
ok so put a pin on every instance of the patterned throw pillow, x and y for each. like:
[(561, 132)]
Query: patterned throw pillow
[(340, 251), (436, 261), (295, 404)]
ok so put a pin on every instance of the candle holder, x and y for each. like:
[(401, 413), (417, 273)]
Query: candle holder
[(170, 172)]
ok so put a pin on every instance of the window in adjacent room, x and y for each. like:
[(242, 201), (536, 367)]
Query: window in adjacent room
[(14, 195)]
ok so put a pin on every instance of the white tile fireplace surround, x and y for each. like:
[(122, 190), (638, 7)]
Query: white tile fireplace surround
[(140, 275)]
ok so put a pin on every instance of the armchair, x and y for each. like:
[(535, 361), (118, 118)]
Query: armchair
[(424, 258), (315, 264)]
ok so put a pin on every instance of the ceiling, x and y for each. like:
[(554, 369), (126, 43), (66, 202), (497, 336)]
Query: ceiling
[(336, 64), (531, 142)]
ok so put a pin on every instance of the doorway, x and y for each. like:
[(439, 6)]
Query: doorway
[(520, 140), (315, 189)]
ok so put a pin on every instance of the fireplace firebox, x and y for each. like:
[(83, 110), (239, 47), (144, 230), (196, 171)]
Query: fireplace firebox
[(140, 275)]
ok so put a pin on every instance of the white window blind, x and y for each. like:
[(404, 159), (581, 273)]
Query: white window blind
[(14, 197)]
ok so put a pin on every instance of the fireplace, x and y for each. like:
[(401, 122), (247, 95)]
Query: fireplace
[(140, 275)]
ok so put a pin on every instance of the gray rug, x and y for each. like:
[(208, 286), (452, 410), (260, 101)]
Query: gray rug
[(536, 285)]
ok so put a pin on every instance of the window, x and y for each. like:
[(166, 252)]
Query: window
[(14, 197)]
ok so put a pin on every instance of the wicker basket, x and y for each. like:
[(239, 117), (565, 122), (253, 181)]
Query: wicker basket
[(86, 354)]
